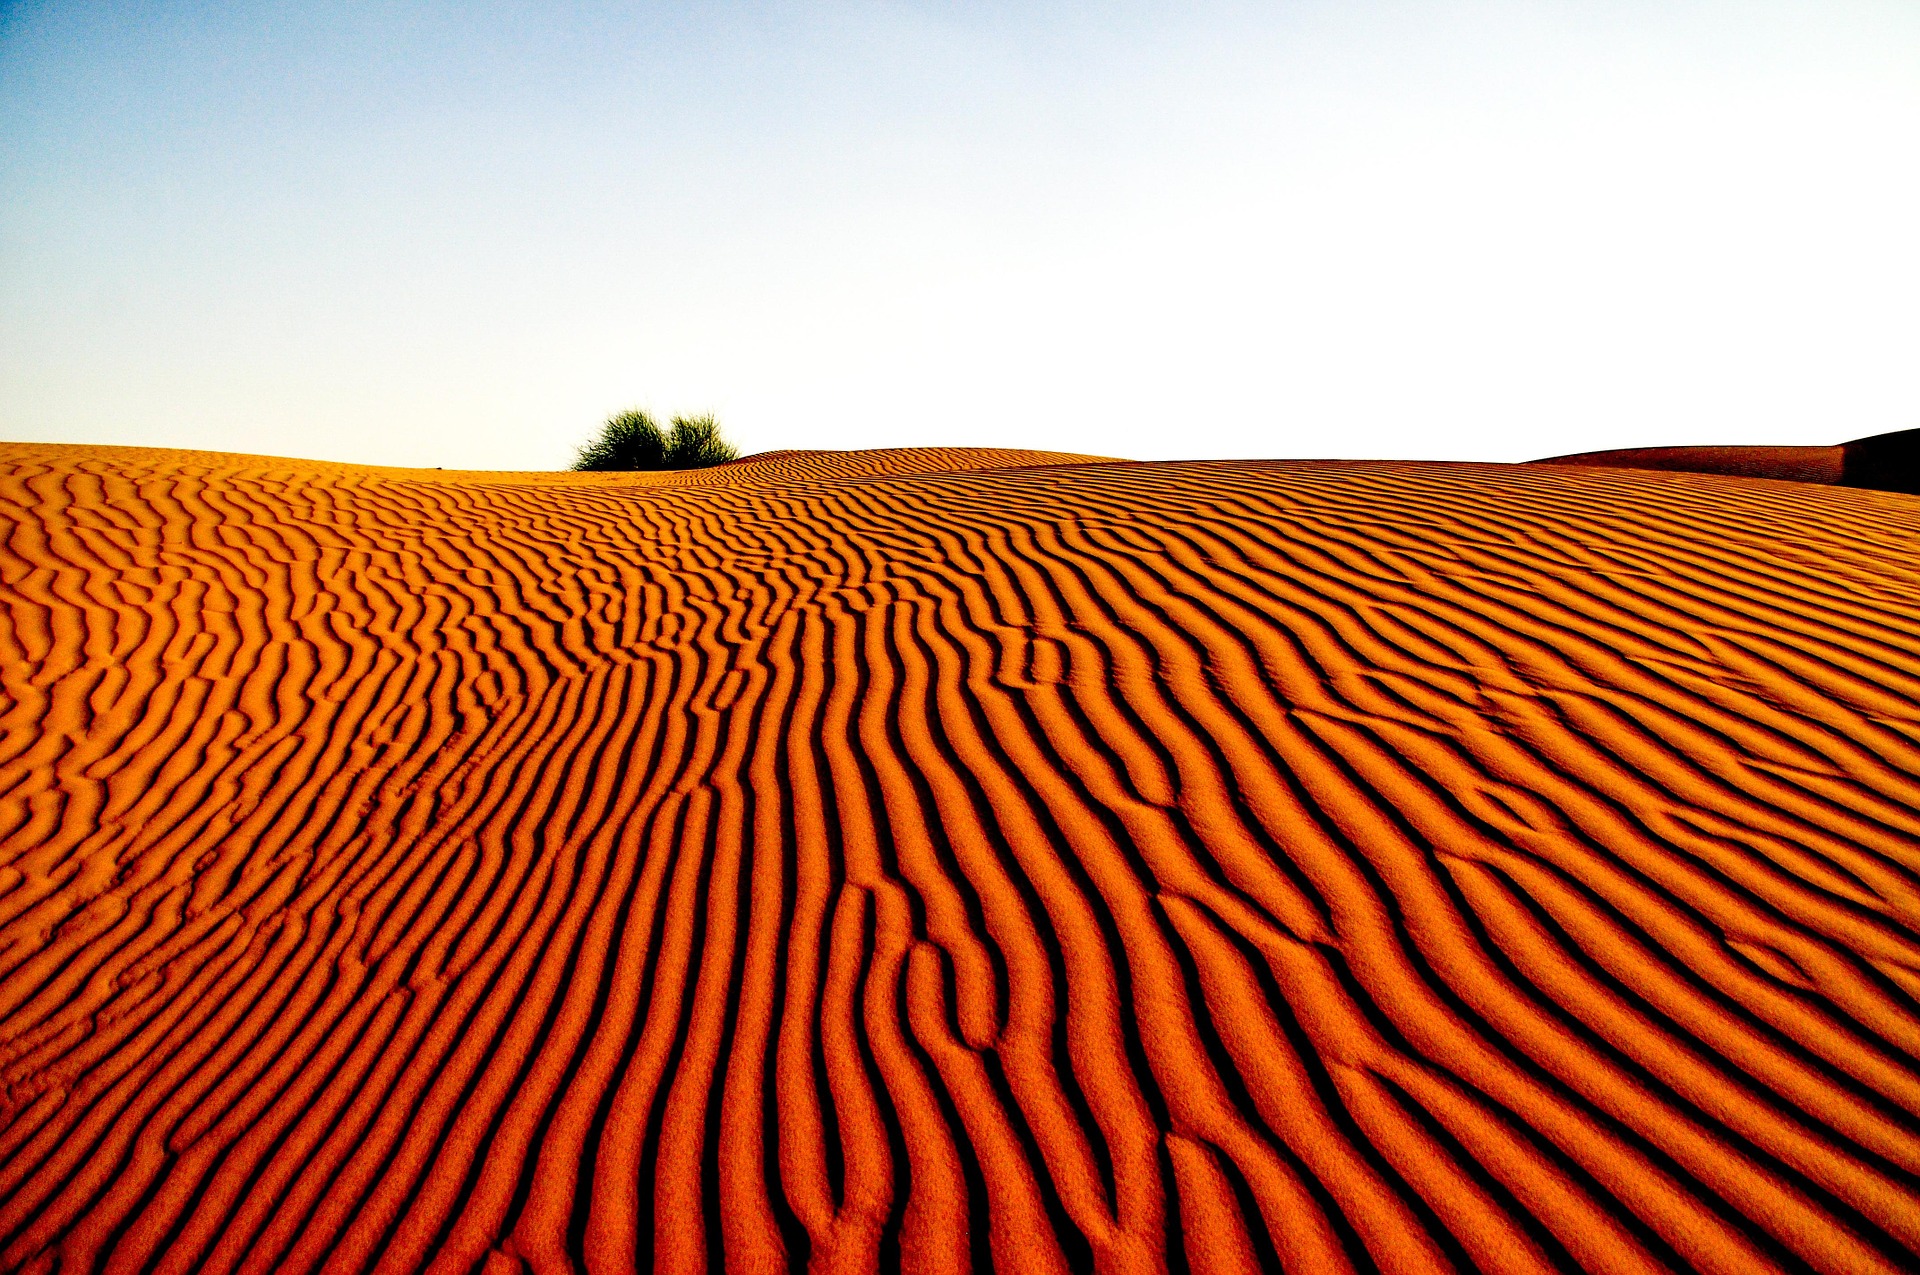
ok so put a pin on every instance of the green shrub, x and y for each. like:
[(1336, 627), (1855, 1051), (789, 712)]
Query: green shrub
[(695, 443), (634, 440), (629, 440)]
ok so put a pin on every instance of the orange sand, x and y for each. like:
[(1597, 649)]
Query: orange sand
[(955, 859), (1788, 464), (1882, 462)]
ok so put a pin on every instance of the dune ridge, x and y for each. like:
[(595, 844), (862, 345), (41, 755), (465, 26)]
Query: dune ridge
[(955, 860), (1882, 462)]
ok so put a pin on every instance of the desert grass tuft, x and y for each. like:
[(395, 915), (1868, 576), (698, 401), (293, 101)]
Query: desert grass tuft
[(633, 440)]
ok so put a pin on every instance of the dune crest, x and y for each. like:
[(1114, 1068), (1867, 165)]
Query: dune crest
[(1884, 462), (947, 860)]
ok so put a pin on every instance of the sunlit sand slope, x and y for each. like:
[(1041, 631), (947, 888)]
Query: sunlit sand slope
[(842, 862)]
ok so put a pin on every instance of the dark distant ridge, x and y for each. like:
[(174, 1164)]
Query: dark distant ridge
[(1884, 462)]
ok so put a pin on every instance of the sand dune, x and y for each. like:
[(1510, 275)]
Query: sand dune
[(951, 860), (1883, 462)]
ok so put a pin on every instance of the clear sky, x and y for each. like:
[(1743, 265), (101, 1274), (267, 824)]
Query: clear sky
[(462, 234)]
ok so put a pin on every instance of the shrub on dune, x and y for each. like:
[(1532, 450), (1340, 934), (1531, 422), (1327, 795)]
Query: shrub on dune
[(695, 442), (633, 440)]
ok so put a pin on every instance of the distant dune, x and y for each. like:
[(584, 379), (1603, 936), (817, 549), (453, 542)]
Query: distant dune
[(948, 860), (1884, 462)]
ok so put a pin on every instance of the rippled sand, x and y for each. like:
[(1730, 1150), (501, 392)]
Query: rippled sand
[(955, 859)]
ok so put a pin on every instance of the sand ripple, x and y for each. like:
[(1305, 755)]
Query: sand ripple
[(951, 860)]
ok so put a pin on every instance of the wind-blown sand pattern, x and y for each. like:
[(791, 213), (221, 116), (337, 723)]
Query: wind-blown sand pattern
[(955, 860)]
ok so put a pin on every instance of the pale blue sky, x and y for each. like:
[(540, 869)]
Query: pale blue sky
[(461, 235)]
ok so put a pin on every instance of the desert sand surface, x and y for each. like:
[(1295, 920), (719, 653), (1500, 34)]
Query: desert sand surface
[(1882, 462), (1786, 464), (949, 860)]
